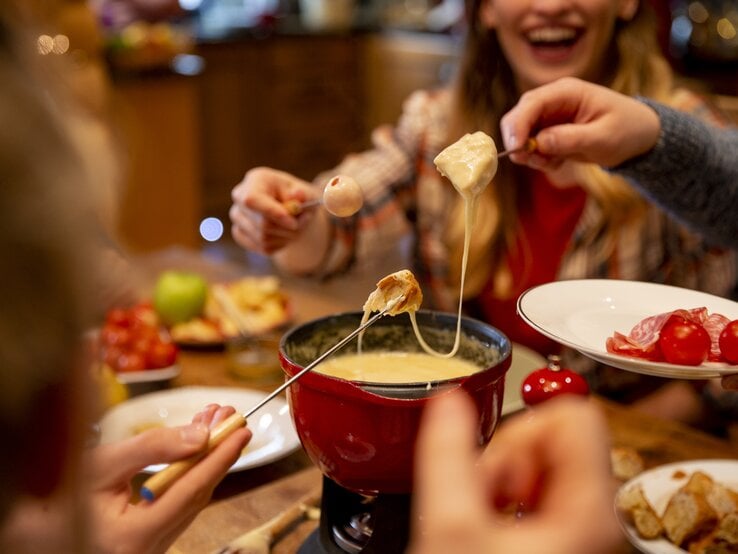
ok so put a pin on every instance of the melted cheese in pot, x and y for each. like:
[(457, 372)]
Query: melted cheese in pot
[(395, 367)]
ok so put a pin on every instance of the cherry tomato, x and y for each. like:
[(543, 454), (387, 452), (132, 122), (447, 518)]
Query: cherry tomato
[(118, 317), (142, 345), (684, 342), (111, 335), (728, 342), (111, 355), (551, 381), (144, 315), (161, 354), (130, 361)]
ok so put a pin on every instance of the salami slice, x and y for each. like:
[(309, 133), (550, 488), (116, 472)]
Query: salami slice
[(642, 341)]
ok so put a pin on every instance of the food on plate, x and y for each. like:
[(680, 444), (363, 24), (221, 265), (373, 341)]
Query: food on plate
[(401, 284), (684, 342), (701, 516), (687, 514), (470, 163), (342, 196), (625, 462), (139, 428), (551, 381), (638, 511), (132, 339), (142, 45), (196, 330), (259, 299), (686, 337), (728, 342), (179, 296)]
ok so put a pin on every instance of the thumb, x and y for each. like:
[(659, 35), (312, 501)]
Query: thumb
[(586, 142), (116, 462)]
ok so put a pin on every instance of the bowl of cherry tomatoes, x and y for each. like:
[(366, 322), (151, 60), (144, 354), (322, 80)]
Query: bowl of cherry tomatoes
[(137, 347)]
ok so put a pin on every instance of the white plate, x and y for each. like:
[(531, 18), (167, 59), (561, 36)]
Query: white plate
[(582, 314), (274, 434), (524, 361), (148, 375), (660, 483)]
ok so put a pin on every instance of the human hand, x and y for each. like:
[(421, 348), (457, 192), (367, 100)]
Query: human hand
[(121, 526), (553, 460), (260, 220), (578, 120)]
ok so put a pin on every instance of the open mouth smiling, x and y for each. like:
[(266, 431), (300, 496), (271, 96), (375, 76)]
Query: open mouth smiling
[(553, 38)]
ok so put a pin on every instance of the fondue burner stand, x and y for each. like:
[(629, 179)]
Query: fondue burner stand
[(351, 523)]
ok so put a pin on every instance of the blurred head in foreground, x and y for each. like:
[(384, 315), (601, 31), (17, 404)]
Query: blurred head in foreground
[(46, 227)]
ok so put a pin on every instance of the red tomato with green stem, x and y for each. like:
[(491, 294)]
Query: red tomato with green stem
[(684, 342), (728, 342)]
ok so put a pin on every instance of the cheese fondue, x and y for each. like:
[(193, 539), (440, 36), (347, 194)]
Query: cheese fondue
[(470, 164), (395, 367)]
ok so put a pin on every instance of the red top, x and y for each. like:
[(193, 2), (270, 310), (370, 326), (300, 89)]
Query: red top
[(547, 218)]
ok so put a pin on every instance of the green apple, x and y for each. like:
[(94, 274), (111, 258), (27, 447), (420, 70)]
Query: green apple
[(179, 296)]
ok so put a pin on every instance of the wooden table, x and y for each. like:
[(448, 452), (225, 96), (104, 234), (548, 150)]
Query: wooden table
[(246, 499)]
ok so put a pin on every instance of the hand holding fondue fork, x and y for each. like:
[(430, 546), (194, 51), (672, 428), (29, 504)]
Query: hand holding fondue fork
[(158, 483)]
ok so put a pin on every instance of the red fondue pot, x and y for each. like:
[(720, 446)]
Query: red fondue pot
[(362, 435)]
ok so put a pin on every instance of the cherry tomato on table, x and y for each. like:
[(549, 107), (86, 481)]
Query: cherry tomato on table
[(684, 342), (728, 342)]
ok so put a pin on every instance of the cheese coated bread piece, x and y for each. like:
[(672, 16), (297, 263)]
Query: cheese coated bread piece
[(399, 284), (470, 163), (625, 462)]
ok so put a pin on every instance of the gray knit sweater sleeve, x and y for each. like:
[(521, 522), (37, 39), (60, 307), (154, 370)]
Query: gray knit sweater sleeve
[(692, 173)]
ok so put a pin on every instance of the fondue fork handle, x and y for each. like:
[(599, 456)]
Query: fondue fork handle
[(155, 485)]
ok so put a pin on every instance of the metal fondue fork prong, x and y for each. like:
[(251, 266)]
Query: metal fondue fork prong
[(529, 146), (158, 483)]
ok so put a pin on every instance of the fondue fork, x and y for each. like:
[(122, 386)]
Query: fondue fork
[(529, 146), (158, 483)]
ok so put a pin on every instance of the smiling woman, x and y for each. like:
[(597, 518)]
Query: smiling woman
[(575, 221), (544, 44)]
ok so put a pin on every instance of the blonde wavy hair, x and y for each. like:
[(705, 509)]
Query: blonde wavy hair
[(485, 90)]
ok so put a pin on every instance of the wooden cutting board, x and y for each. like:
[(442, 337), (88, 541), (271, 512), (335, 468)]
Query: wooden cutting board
[(224, 520)]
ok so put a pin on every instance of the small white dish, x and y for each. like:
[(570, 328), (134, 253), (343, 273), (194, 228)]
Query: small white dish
[(148, 375), (660, 483), (524, 361), (583, 313), (274, 435)]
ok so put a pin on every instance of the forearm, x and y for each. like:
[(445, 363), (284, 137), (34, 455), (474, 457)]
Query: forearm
[(692, 172)]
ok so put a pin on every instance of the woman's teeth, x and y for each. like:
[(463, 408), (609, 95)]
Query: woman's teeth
[(551, 35)]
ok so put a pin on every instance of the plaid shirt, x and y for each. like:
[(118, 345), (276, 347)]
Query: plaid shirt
[(404, 194)]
